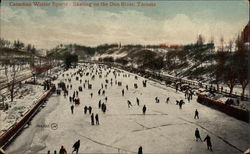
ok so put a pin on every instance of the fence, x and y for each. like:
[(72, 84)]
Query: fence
[(17, 127), (234, 111)]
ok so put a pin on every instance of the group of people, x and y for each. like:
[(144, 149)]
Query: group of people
[(206, 139), (102, 105), (63, 150)]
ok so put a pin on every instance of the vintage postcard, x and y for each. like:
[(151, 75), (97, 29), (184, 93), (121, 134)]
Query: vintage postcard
[(124, 77)]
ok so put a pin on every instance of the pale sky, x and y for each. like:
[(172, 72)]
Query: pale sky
[(171, 22)]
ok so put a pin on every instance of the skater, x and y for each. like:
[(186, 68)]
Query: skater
[(97, 119), (138, 101), (76, 147), (90, 109), (62, 150), (144, 110), (181, 102), (197, 135), (122, 92), (127, 87), (55, 152), (196, 114), (129, 104), (100, 104), (140, 150), (91, 95), (104, 108), (167, 100), (209, 144), (47, 152), (72, 109), (92, 119), (85, 109), (70, 99), (106, 98)]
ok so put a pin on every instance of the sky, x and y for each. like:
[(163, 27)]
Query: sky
[(170, 22)]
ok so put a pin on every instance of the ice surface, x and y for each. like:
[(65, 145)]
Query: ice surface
[(164, 129)]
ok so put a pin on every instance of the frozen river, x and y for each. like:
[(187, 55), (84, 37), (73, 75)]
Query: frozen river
[(164, 129)]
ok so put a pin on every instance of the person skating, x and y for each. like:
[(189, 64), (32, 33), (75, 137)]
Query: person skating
[(129, 104), (209, 144), (140, 150), (76, 147), (196, 114), (144, 109), (97, 119), (85, 109), (122, 92), (72, 109), (100, 104), (62, 150), (197, 135), (181, 102), (92, 119), (138, 101), (90, 109)]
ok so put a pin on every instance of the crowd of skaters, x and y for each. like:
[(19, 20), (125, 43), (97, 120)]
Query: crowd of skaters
[(104, 86)]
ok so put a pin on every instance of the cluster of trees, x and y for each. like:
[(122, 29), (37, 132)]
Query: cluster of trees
[(232, 67), (4, 43), (70, 59)]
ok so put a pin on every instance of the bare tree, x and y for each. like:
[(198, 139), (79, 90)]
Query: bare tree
[(200, 40), (230, 45), (222, 43)]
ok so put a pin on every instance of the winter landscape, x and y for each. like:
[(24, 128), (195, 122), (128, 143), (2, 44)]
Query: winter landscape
[(165, 77)]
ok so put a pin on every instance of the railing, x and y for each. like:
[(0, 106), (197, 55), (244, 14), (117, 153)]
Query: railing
[(231, 110), (10, 134)]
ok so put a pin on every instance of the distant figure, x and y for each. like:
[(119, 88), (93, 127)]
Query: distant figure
[(97, 119), (47, 152), (197, 135), (129, 104), (127, 87), (167, 100), (196, 114), (91, 95), (122, 92), (138, 101), (90, 109), (100, 104), (62, 150), (181, 102), (209, 144), (140, 150), (144, 109), (55, 152), (76, 147), (92, 119), (72, 109), (85, 109)]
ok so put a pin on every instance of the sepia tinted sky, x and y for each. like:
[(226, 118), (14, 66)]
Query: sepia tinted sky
[(171, 22)]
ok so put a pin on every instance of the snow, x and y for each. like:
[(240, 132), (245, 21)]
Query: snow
[(164, 129), (23, 101)]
